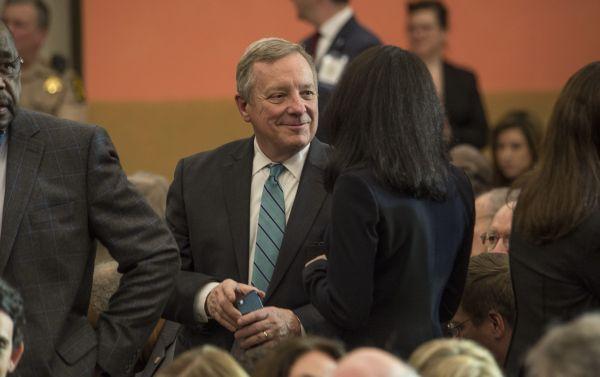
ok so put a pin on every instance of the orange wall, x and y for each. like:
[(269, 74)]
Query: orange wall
[(156, 50)]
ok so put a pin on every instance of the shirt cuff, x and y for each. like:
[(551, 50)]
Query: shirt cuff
[(200, 302)]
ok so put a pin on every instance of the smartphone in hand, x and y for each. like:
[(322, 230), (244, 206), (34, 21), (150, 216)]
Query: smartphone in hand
[(249, 303)]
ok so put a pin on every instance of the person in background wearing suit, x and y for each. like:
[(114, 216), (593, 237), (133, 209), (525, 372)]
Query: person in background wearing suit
[(61, 187), (555, 242), (338, 39), (12, 316), (48, 85), (402, 216), (457, 87), (243, 213)]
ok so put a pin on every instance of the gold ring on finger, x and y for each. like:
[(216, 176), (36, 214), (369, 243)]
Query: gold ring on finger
[(266, 334)]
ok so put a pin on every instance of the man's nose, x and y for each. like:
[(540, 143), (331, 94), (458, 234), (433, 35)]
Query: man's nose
[(296, 104)]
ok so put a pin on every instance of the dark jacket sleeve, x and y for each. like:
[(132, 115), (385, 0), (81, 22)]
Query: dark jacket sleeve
[(342, 288), (180, 307), (142, 245)]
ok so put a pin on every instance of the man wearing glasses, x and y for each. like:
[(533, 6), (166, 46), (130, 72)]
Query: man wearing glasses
[(487, 311), (61, 187), (496, 239)]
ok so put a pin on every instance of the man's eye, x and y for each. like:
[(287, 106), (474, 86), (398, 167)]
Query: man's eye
[(308, 93)]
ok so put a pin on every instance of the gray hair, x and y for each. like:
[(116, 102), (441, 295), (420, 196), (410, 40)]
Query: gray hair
[(266, 50), (571, 349)]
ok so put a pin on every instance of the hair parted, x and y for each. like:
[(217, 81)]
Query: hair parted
[(386, 116), (266, 50)]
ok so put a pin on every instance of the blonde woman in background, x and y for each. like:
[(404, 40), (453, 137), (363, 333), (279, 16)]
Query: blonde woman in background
[(205, 361), (454, 358)]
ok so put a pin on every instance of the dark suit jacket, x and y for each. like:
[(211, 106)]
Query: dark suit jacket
[(396, 265), (554, 282), (351, 40), (208, 210), (64, 188), (463, 107)]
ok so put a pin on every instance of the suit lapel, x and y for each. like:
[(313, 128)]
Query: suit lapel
[(309, 200), (236, 182), (23, 161)]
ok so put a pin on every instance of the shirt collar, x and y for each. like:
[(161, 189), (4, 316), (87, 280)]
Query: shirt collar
[(332, 26), (293, 164)]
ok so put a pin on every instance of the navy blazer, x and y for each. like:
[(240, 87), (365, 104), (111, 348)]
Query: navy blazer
[(352, 39), (396, 265)]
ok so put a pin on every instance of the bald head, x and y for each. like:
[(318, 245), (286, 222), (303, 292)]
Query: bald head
[(372, 362)]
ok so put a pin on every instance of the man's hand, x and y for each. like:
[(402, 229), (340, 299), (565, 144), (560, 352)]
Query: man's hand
[(220, 303), (267, 326)]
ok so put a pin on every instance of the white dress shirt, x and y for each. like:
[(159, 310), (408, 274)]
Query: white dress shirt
[(288, 180), (328, 31)]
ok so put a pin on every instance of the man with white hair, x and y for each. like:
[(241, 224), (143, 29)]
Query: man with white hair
[(243, 213)]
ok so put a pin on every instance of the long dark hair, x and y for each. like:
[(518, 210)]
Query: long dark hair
[(385, 115), (564, 187), (531, 129)]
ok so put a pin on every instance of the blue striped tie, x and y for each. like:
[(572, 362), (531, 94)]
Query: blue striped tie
[(271, 226)]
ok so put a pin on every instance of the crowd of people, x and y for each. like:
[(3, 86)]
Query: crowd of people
[(395, 249)]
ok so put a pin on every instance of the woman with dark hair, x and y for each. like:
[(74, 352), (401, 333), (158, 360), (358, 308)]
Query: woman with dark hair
[(301, 357), (555, 245), (402, 216), (515, 142)]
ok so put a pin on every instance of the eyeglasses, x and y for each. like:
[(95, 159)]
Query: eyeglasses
[(455, 329), (491, 239), (11, 69)]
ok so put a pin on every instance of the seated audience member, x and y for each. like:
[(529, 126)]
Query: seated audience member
[(487, 311), (475, 166), (496, 239), (402, 215), (205, 361), (12, 319), (372, 362), (457, 87), (571, 349), (515, 144), (159, 349), (301, 357), (555, 241), (486, 206), (454, 358)]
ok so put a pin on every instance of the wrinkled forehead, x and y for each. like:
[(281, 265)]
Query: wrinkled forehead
[(7, 43)]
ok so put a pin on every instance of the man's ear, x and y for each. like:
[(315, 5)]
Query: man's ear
[(242, 104), (498, 325), (15, 357)]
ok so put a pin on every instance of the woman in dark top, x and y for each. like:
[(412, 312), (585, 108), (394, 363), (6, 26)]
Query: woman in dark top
[(402, 216), (555, 245), (457, 87)]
